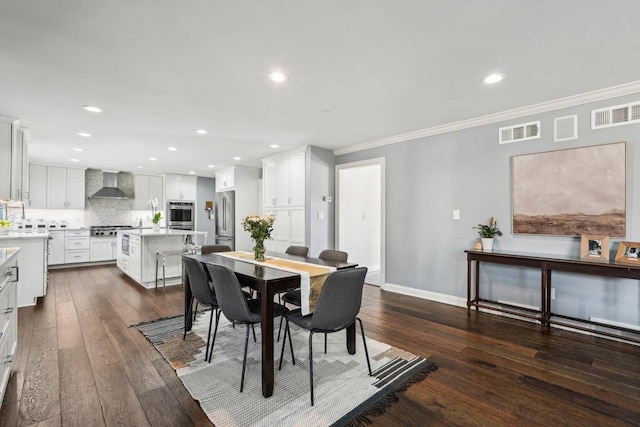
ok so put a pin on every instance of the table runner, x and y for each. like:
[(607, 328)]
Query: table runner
[(312, 276)]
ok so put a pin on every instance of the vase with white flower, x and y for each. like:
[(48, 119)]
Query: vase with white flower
[(260, 227), (156, 216)]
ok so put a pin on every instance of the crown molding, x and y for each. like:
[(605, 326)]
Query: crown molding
[(543, 107)]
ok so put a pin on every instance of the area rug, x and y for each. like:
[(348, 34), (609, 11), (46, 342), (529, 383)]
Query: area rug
[(344, 392)]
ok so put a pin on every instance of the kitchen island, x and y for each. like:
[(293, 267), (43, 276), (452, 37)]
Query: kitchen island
[(137, 248), (33, 260)]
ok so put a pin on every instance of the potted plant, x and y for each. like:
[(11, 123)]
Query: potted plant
[(156, 216), (487, 233)]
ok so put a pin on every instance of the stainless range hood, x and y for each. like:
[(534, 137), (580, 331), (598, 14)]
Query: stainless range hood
[(110, 188)]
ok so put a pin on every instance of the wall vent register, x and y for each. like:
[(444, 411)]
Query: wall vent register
[(520, 132), (617, 115)]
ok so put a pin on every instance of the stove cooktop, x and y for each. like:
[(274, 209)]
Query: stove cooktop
[(107, 230)]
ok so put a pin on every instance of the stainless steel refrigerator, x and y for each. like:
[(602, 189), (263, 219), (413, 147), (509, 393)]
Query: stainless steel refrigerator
[(225, 218)]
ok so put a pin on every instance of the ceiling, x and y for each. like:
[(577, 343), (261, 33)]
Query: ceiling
[(160, 69)]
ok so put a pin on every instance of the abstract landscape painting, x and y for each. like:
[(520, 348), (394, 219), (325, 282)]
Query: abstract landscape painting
[(571, 192)]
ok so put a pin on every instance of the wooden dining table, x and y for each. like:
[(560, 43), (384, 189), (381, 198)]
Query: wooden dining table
[(268, 282)]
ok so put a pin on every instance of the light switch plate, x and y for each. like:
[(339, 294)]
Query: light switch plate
[(320, 215), (456, 214)]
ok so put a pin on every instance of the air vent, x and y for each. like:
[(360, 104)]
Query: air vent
[(615, 116), (521, 132), (565, 128)]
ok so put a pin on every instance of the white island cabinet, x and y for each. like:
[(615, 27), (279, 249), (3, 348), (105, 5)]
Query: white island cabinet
[(137, 254), (32, 281), (9, 274)]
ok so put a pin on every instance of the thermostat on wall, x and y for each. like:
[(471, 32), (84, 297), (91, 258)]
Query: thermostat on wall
[(327, 199)]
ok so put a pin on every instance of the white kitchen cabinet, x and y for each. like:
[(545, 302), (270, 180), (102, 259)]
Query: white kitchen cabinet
[(32, 280), (65, 187), (225, 179), (9, 274), (76, 246), (147, 187), (179, 187), (103, 248), (56, 247), (37, 186), (284, 179), (288, 229), (13, 160), (135, 258)]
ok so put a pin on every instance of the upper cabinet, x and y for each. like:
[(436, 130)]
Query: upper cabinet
[(226, 179), (37, 186), (180, 187), (147, 187), (284, 180), (65, 187), (14, 167)]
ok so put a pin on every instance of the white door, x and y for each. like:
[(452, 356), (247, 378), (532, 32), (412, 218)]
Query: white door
[(360, 215)]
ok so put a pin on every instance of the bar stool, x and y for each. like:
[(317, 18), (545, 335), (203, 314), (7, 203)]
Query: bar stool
[(163, 255)]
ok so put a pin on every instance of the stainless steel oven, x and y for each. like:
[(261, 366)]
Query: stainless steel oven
[(181, 214)]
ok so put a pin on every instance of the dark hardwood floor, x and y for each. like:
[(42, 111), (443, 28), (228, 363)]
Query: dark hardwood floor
[(79, 363)]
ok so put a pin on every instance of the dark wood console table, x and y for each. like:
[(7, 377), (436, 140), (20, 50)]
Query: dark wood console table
[(546, 264)]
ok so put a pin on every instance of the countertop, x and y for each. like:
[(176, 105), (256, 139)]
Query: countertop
[(15, 234), (148, 232), (7, 254)]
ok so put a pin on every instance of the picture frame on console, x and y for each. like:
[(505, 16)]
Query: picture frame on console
[(628, 253), (594, 247)]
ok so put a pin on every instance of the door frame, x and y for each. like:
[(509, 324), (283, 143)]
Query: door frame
[(376, 161)]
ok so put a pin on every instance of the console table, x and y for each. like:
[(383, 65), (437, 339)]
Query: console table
[(546, 264)]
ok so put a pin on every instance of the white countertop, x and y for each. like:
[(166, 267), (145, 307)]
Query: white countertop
[(148, 232), (7, 254), (15, 234)]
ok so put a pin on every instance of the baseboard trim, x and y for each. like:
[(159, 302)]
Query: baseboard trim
[(432, 296)]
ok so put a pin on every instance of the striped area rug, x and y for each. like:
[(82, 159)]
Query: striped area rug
[(344, 392)]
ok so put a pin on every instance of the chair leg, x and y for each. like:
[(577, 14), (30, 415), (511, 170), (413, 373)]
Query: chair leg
[(293, 359), (325, 343), (364, 341), (280, 327), (209, 335), (311, 365), (284, 342), (188, 311), (254, 333), (215, 331), (156, 270), (244, 360), (195, 311)]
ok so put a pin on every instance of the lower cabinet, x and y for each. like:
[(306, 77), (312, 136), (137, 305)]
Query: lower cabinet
[(135, 258), (9, 275), (56, 247), (76, 246), (288, 229), (103, 248), (33, 267)]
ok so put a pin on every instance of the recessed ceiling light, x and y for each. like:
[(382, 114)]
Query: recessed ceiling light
[(236, 158), (172, 148), (74, 160), (201, 131), (493, 78), (191, 172), (139, 167), (327, 108), (84, 134), (78, 149), (274, 146), (278, 76), (153, 159), (210, 166), (92, 108)]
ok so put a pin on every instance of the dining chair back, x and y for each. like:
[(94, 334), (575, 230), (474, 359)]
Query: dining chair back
[(203, 293), (339, 300), (333, 255), (211, 249), (297, 250), (231, 299)]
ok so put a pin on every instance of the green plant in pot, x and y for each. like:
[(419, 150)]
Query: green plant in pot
[(487, 233)]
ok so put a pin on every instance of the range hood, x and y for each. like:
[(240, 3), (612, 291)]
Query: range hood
[(110, 188)]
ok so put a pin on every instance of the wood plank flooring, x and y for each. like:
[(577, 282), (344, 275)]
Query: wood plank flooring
[(79, 363)]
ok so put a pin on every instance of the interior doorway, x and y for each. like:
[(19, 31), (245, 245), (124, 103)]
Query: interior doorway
[(360, 202)]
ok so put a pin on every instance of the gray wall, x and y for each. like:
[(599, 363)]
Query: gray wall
[(320, 182), (468, 170), (206, 191)]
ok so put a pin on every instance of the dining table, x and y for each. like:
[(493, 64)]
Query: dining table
[(268, 281)]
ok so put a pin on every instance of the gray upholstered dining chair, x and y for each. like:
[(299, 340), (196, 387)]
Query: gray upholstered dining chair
[(337, 308), (294, 297), (211, 249), (203, 293), (236, 308), (297, 250)]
